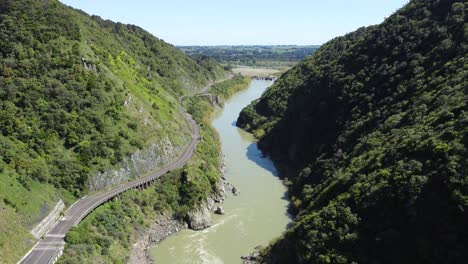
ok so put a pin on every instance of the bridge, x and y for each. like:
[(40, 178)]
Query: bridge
[(50, 248)]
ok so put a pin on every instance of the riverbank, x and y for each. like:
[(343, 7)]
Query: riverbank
[(109, 233), (253, 218), (202, 108), (163, 226), (166, 225)]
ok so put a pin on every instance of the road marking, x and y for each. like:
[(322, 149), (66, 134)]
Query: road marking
[(40, 256), (89, 203), (58, 235)]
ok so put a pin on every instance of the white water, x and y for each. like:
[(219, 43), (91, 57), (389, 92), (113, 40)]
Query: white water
[(255, 217)]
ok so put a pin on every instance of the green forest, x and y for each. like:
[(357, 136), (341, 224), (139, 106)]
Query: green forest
[(78, 94), (256, 55), (227, 88), (371, 135), (108, 234)]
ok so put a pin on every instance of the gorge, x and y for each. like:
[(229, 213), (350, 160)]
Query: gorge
[(118, 147)]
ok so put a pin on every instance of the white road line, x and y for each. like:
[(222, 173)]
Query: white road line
[(89, 203)]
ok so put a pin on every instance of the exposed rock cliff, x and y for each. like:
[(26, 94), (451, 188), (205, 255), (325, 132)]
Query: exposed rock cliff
[(155, 156)]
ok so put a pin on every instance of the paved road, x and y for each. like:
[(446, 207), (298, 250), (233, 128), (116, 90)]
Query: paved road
[(48, 248), (205, 90)]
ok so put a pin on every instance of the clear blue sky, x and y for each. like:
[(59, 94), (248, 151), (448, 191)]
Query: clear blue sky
[(243, 22)]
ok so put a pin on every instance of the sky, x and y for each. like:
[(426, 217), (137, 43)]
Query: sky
[(243, 22)]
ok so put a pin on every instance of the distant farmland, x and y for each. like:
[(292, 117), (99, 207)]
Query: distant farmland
[(258, 56)]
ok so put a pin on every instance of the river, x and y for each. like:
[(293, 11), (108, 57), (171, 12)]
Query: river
[(255, 217)]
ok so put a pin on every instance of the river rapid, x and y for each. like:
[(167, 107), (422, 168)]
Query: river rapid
[(255, 217)]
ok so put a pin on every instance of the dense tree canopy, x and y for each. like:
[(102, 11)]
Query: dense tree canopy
[(256, 55), (65, 78), (373, 128), (108, 234), (78, 94)]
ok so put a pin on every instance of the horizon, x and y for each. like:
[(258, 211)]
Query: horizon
[(252, 45), (211, 23)]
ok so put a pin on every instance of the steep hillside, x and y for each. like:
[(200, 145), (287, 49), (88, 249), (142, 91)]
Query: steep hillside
[(111, 233), (78, 96), (373, 131)]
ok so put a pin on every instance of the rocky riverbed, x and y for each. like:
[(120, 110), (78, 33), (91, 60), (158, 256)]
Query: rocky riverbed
[(166, 225), (252, 258), (163, 227)]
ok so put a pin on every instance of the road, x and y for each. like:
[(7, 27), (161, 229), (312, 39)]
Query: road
[(48, 248), (205, 90)]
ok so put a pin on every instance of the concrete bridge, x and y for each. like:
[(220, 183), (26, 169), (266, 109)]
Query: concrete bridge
[(50, 248)]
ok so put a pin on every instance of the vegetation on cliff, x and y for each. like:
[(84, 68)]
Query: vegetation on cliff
[(229, 87), (77, 95), (373, 128), (107, 235)]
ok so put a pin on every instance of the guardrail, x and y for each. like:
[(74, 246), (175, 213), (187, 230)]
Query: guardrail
[(143, 181), (49, 221), (117, 192), (108, 195), (57, 253)]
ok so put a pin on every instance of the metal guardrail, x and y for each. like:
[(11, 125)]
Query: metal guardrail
[(58, 252), (189, 151), (48, 222), (140, 182), (114, 194), (143, 181)]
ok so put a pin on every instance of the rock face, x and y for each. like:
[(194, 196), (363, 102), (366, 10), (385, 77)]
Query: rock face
[(213, 99), (220, 194), (164, 226), (235, 191), (148, 159), (199, 219), (219, 210), (250, 259), (253, 258)]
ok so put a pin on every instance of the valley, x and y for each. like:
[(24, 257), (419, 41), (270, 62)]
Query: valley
[(252, 218), (117, 146)]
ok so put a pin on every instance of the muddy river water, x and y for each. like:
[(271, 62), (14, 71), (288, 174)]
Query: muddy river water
[(253, 218)]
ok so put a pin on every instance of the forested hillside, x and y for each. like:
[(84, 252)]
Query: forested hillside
[(109, 234), (79, 94), (371, 132)]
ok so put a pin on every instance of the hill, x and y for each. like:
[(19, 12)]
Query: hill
[(371, 134), (80, 97), (255, 55)]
